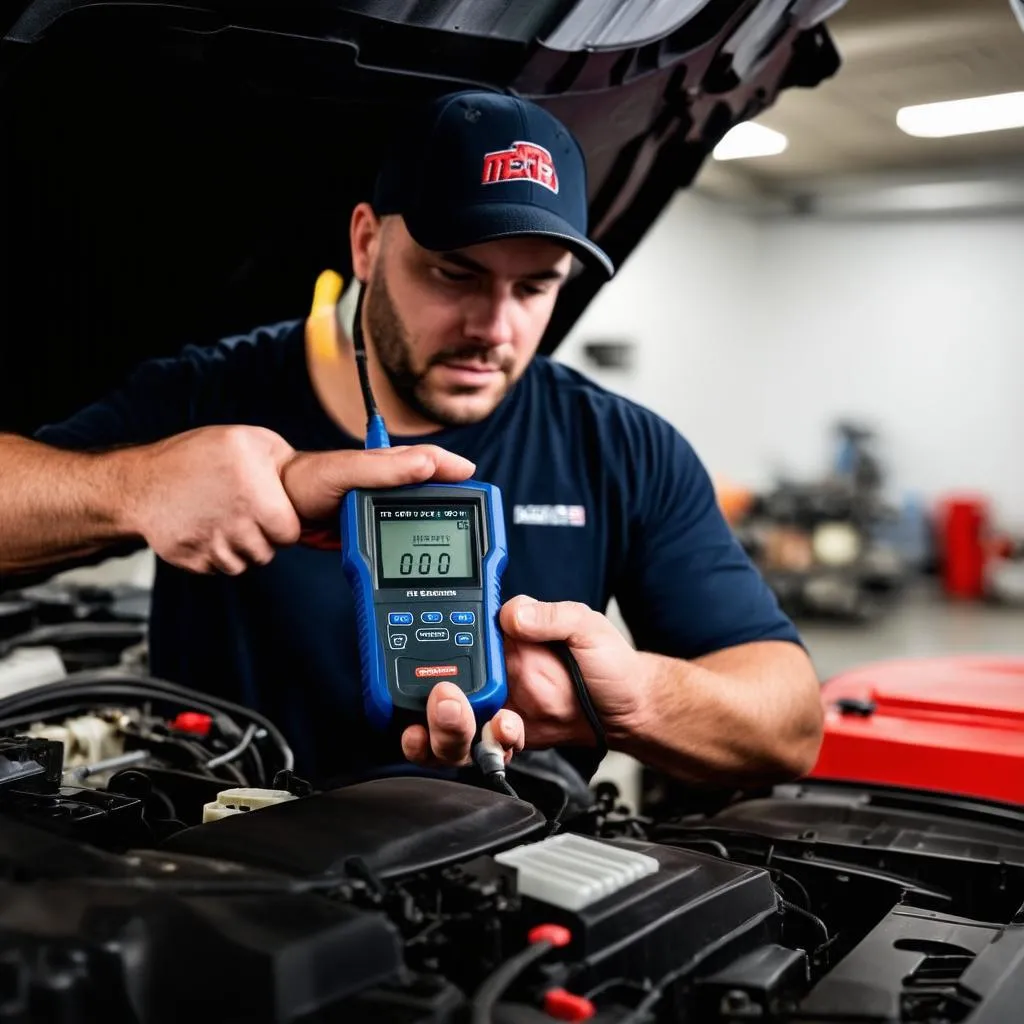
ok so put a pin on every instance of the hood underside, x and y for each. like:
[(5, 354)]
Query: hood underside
[(174, 172)]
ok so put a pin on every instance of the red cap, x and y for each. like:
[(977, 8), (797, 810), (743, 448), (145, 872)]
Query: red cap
[(553, 933), (194, 722), (563, 1005)]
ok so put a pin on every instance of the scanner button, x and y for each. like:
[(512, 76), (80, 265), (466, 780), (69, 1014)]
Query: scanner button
[(463, 618), (398, 641), (417, 678), (464, 639), (432, 617), (399, 618), (431, 634), (436, 671)]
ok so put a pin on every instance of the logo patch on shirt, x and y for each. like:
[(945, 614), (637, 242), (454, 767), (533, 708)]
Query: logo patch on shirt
[(522, 160), (549, 515)]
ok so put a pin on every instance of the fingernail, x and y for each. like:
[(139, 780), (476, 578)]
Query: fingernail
[(527, 615), (449, 712)]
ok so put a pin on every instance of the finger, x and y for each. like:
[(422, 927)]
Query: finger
[(416, 744), (450, 724), (393, 467), (510, 732), (280, 523), (252, 546), (315, 483), (540, 621), (224, 558)]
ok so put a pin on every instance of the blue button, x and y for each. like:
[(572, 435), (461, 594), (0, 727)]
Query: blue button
[(431, 617), (464, 639), (463, 618), (399, 618)]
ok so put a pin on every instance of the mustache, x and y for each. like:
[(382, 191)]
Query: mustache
[(484, 357)]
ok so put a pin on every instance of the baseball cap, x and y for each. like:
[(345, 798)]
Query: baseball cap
[(476, 166)]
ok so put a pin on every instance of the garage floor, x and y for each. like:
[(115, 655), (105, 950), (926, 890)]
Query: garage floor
[(923, 624)]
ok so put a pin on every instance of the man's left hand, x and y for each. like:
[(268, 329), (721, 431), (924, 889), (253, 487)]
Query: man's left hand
[(540, 689), (542, 709)]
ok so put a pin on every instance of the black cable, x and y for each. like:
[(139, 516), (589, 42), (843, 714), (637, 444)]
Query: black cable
[(113, 683), (639, 1013), (793, 908), (568, 659), (500, 979), (500, 783), (359, 344)]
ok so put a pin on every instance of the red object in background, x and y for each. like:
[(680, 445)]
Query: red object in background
[(963, 530), (194, 722), (954, 725)]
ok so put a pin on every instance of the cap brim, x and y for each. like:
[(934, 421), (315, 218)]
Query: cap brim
[(490, 222)]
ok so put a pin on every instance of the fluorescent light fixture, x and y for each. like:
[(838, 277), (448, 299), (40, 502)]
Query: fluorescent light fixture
[(749, 139), (963, 117)]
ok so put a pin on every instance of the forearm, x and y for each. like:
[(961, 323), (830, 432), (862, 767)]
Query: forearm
[(57, 505), (750, 714)]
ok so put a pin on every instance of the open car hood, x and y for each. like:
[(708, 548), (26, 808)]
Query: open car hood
[(174, 172)]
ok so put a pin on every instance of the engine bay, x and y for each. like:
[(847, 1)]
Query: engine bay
[(159, 857)]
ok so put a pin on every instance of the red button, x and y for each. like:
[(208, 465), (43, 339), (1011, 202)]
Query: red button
[(563, 1005), (436, 671), (553, 933), (194, 722)]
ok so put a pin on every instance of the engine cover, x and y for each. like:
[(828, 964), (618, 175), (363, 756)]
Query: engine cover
[(394, 826)]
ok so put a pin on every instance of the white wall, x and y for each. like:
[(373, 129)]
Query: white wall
[(753, 337)]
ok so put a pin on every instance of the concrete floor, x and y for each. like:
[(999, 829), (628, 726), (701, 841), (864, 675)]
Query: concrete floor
[(922, 624)]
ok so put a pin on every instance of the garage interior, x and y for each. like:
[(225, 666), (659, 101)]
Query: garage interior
[(828, 312), (866, 277)]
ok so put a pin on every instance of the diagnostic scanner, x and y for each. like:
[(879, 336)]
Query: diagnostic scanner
[(425, 564)]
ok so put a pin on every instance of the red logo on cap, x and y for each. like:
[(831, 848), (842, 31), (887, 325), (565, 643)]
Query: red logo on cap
[(523, 160)]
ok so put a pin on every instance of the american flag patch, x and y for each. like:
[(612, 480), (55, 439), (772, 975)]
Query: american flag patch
[(549, 515)]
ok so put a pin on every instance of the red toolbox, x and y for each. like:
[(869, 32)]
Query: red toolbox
[(953, 724)]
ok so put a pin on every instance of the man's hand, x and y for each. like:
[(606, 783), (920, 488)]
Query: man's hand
[(542, 709), (221, 499), (540, 689), (448, 735)]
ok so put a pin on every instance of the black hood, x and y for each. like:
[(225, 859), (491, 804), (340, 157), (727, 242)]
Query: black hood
[(176, 172)]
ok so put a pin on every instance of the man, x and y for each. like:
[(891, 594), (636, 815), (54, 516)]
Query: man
[(219, 458)]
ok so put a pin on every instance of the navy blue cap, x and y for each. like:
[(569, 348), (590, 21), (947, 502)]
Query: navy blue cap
[(477, 166)]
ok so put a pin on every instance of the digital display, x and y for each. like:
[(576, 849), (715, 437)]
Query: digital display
[(426, 543)]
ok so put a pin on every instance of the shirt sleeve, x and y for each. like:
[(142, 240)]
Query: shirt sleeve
[(687, 587), (201, 386)]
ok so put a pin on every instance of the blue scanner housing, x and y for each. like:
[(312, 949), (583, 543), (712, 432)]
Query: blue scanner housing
[(425, 564)]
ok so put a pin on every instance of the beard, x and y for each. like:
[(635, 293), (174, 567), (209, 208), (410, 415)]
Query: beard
[(394, 352)]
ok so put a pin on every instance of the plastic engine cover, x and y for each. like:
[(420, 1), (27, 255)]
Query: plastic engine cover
[(395, 826), (691, 909)]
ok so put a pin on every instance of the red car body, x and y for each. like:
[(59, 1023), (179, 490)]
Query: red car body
[(953, 725)]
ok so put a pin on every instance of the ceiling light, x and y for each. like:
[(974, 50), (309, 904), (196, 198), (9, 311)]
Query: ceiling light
[(749, 139), (963, 117)]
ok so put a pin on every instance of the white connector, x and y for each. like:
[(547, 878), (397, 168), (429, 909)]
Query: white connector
[(489, 754), (242, 801)]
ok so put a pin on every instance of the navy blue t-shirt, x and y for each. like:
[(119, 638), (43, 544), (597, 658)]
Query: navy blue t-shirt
[(602, 499)]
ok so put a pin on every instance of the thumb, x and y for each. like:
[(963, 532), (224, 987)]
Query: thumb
[(539, 621), (317, 481)]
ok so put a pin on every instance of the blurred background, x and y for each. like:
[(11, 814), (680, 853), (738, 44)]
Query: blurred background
[(832, 317)]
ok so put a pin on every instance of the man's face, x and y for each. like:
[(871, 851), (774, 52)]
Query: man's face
[(454, 331)]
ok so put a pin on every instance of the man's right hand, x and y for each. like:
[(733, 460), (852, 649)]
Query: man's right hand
[(221, 499)]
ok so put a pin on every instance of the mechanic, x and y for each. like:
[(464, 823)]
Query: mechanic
[(219, 460)]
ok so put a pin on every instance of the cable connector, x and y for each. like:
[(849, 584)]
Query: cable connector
[(376, 433), (489, 754)]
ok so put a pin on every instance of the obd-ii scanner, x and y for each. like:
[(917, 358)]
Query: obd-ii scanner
[(425, 564)]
